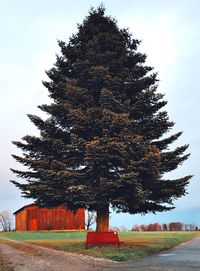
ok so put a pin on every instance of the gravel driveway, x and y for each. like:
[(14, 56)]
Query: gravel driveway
[(28, 257)]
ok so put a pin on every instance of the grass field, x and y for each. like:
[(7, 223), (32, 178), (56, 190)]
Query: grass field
[(136, 244)]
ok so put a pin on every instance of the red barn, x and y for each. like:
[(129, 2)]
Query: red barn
[(33, 218)]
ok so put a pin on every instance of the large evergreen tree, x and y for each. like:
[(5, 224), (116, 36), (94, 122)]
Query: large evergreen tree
[(102, 144)]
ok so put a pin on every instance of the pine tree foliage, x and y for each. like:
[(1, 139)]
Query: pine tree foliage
[(102, 142)]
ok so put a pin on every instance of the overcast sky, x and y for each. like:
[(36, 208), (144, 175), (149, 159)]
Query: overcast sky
[(170, 34)]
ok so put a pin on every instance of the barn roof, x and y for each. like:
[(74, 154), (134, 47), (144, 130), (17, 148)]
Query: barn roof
[(24, 207)]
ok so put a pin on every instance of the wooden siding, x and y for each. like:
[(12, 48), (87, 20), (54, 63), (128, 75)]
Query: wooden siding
[(32, 218), (21, 221)]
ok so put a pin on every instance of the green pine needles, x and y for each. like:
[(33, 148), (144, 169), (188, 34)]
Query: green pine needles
[(102, 144)]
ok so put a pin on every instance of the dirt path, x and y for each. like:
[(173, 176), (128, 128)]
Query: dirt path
[(28, 257)]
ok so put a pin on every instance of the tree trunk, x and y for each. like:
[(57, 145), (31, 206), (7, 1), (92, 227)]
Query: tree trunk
[(102, 222)]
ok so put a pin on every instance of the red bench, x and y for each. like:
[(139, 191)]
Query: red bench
[(100, 238)]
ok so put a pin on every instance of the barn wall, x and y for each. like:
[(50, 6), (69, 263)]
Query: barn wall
[(51, 219), (21, 221), (32, 218), (78, 220)]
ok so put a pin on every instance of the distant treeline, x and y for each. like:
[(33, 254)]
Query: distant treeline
[(172, 226)]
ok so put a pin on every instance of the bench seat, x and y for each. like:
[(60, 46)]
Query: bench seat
[(100, 238)]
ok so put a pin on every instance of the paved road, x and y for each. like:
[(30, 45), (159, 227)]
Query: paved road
[(185, 257)]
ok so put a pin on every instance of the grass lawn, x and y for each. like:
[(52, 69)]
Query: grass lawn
[(136, 244)]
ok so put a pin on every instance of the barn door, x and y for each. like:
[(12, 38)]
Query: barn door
[(33, 224)]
